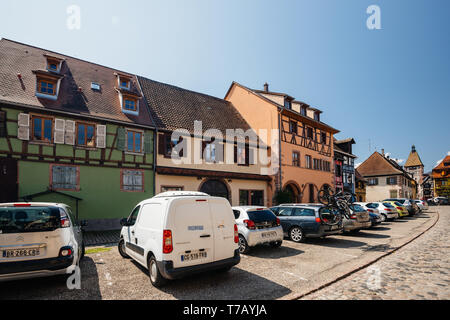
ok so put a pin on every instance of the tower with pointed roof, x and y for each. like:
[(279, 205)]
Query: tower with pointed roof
[(415, 167)]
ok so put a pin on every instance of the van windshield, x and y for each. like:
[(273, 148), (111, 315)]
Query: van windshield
[(261, 215), (29, 219)]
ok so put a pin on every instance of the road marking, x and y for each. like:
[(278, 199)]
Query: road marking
[(349, 255), (294, 275)]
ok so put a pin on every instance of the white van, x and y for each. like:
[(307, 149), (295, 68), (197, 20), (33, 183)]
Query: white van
[(178, 233)]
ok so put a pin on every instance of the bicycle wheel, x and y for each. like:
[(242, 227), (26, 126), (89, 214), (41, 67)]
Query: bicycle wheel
[(330, 216), (324, 196), (344, 208)]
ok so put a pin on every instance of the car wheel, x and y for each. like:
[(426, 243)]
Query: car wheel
[(296, 234), (243, 245), (276, 244), (121, 248), (155, 276)]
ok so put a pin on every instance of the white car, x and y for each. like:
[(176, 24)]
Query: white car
[(178, 233), (372, 209), (387, 210), (421, 204), (38, 240), (257, 225)]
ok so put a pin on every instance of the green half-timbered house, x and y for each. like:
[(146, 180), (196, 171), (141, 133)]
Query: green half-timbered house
[(73, 132)]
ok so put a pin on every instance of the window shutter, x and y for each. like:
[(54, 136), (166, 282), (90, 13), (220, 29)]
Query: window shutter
[(251, 155), (121, 137), (161, 144), (69, 136), (235, 154), (219, 152), (2, 124), (181, 153), (148, 142), (101, 136), (24, 126), (60, 125)]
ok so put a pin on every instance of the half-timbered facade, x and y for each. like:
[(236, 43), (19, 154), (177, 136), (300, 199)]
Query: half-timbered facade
[(305, 143), (73, 132)]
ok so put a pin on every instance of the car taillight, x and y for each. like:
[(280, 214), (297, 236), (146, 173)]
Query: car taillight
[(353, 216), (399, 208), (167, 241), (236, 234), (65, 252), (318, 220), (250, 224), (278, 222), (370, 210), (65, 222)]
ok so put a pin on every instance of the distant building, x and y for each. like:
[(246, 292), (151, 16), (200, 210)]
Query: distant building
[(360, 187), (414, 167), (441, 177), (344, 162), (385, 178), (428, 186)]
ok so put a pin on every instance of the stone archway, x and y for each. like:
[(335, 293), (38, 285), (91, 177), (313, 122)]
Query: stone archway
[(294, 190), (216, 188), (310, 190)]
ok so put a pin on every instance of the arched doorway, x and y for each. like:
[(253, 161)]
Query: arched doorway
[(215, 188), (293, 191)]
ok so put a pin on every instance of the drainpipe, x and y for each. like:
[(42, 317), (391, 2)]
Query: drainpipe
[(279, 148)]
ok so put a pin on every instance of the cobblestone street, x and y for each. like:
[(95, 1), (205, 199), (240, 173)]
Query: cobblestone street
[(420, 270)]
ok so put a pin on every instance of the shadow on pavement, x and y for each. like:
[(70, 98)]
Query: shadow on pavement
[(236, 284), (382, 228), (267, 252), (378, 248), (55, 287), (363, 234), (336, 242)]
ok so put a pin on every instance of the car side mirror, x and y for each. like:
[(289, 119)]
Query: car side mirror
[(124, 222), (83, 223)]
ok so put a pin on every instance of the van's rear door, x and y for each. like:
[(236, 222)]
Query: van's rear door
[(223, 226), (189, 219)]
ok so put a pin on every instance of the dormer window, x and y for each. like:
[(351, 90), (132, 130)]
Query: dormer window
[(287, 104), (47, 86), (303, 111), (129, 103), (317, 116), (53, 63), (124, 82)]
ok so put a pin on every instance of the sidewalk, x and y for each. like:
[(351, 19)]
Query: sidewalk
[(95, 238)]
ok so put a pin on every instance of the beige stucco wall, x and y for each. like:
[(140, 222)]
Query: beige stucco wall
[(194, 183), (383, 191)]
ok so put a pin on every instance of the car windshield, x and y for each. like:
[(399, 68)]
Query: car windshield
[(401, 201), (29, 219), (261, 215), (387, 205), (372, 205), (357, 208), (398, 203)]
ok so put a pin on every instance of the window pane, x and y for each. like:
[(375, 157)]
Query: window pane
[(243, 197), (48, 129), (90, 136), (81, 134), (257, 197), (64, 177), (130, 141), (37, 129), (137, 142)]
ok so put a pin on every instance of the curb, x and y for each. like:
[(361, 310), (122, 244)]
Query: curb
[(346, 275)]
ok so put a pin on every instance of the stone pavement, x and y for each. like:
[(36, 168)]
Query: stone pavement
[(94, 238), (420, 270)]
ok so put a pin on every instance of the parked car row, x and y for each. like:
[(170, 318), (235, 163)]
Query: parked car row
[(174, 234)]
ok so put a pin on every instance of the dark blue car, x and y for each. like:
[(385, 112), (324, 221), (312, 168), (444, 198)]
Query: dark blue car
[(302, 221)]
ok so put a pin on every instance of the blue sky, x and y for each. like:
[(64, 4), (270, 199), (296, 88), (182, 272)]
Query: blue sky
[(390, 86)]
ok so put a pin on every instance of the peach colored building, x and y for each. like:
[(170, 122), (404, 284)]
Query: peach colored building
[(305, 143)]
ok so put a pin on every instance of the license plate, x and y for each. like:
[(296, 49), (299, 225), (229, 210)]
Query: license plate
[(268, 234), (20, 253), (193, 256)]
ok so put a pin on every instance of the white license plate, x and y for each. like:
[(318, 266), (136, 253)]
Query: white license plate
[(193, 256), (268, 234), (20, 253)]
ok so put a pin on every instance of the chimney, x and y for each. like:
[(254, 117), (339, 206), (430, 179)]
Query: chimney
[(413, 149), (266, 87), (382, 152)]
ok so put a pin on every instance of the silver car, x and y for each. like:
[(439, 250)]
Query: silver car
[(38, 240), (257, 225), (359, 219)]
